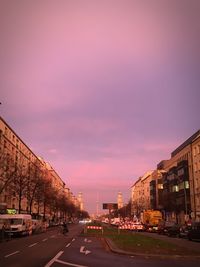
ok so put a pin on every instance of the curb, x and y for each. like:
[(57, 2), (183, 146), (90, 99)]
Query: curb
[(112, 247)]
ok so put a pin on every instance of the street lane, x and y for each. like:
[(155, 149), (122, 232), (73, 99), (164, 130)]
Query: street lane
[(35, 250), (91, 252), (53, 249)]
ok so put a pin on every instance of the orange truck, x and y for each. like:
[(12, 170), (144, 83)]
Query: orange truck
[(151, 217)]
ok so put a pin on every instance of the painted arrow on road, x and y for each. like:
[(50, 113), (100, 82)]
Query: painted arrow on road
[(87, 241), (84, 251)]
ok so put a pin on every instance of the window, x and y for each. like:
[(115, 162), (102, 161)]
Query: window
[(187, 185), (175, 188), (160, 186), (181, 186), (180, 172), (195, 167)]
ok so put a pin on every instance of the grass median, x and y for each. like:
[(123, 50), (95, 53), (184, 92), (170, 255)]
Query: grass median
[(137, 243)]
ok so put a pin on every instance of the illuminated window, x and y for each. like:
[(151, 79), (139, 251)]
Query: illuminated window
[(187, 185), (160, 186), (175, 188)]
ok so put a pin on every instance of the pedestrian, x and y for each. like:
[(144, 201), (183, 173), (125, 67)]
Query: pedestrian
[(65, 227), (3, 232)]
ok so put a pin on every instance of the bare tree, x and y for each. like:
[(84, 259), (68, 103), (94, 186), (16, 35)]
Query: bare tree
[(7, 171), (33, 183), (19, 182)]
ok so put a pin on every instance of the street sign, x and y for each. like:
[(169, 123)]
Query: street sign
[(110, 206)]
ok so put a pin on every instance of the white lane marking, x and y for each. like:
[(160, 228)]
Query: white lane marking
[(68, 245), (84, 251), (73, 239), (45, 239), (69, 264), (54, 259), (12, 254), (32, 245), (87, 241), (87, 252)]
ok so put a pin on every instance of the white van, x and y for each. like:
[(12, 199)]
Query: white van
[(17, 224)]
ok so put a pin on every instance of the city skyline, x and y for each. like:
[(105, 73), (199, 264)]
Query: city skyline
[(101, 91)]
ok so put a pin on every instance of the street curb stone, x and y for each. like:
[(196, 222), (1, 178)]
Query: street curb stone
[(114, 249)]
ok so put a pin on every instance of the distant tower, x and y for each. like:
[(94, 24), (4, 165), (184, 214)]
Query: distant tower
[(97, 205), (119, 200), (80, 199)]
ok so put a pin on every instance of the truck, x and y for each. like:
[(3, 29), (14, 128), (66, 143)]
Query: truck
[(16, 224), (151, 219)]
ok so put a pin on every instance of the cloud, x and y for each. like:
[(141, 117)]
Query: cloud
[(102, 91)]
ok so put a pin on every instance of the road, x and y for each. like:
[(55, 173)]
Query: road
[(35, 250), (52, 249)]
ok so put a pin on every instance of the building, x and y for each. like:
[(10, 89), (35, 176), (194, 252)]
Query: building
[(21, 172), (184, 168), (120, 200), (175, 186), (195, 149), (15, 155), (80, 200), (156, 189), (140, 194)]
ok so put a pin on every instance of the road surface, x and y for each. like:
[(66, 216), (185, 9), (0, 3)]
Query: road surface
[(53, 249)]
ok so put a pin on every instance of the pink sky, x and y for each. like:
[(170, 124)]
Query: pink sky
[(102, 90)]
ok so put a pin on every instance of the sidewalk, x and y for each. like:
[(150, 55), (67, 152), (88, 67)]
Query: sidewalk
[(184, 243)]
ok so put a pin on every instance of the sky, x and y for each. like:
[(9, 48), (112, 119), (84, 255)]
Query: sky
[(103, 90)]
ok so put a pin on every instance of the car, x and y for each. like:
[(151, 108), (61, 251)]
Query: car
[(151, 228), (194, 232), (138, 227), (167, 228), (173, 231), (184, 230)]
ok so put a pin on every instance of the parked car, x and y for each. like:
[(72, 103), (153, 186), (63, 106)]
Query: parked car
[(184, 230), (194, 232), (138, 227), (151, 228), (173, 231), (168, 228)]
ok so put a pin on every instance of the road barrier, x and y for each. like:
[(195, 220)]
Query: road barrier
[(93, 227)]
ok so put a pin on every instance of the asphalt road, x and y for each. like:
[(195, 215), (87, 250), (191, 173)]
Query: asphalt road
[(52, 249), (35, 250)]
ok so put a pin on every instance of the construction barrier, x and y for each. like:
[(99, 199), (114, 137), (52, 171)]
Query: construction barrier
[(94, 227), (134, 227)]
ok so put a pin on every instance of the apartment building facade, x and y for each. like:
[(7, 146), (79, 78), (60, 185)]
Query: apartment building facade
[(175, 184), (195, 149), (140, 194), (15, 155)]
